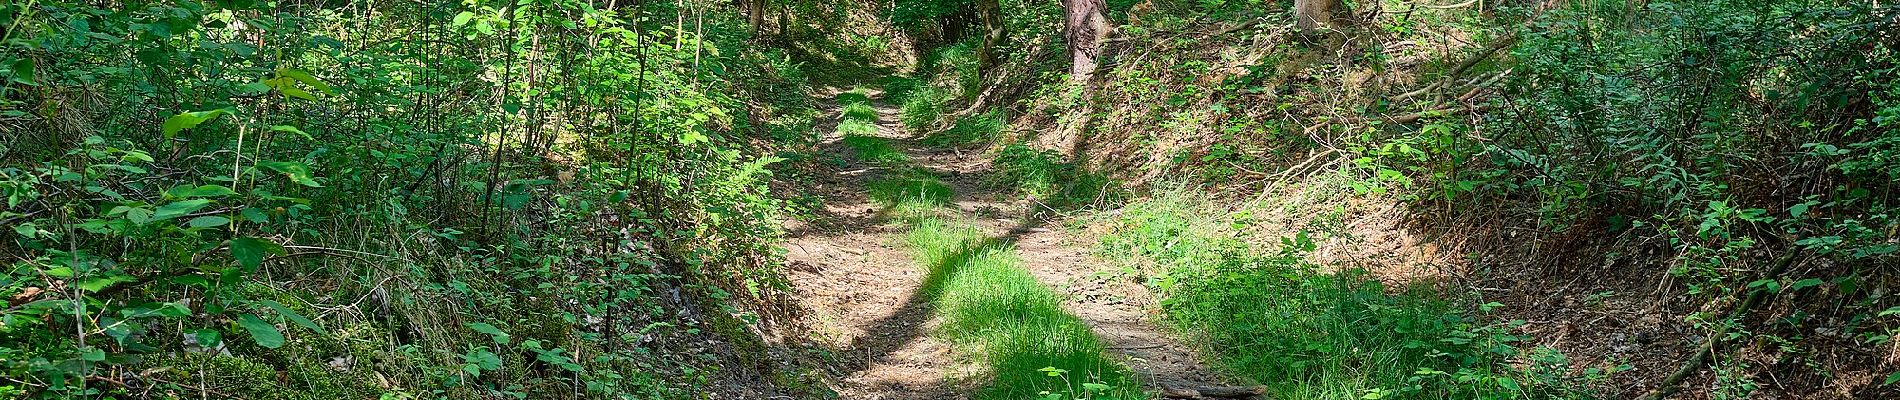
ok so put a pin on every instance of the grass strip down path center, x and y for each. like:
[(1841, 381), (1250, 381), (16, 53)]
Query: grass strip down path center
[(991, 309), (994, 310)]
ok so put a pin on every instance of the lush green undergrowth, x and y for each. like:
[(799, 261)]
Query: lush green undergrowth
[(1308, 332), (354, 200)]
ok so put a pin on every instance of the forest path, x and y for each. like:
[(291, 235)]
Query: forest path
[(851, 268)]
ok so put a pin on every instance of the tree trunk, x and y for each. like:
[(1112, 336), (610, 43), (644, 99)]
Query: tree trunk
[(1311, 15), (991, 11), (755, 14), (1084, 27)]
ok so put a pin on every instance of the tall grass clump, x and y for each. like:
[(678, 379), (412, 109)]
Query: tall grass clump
[(907, 188), (1311, 333), (854, 96), (1052, 181), (871, 149), (898, 89), (855, 127), (958, 63), (973, 129), (921, 109), (860, 112)]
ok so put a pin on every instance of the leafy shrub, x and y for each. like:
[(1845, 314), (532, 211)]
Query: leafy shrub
[(217, 214)]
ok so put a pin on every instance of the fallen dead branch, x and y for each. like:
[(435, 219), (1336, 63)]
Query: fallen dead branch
[(1673, 383), (1213, 392)]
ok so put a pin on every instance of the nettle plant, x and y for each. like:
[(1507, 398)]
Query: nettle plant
[(107, 217), (94, 226)]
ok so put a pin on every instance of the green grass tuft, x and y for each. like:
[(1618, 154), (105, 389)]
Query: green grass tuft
[(911, 188), (921, 109), (853, 127), (898, 89), (979, 128), (1054, 182), (855, 96), (860, 112), (874, 149)]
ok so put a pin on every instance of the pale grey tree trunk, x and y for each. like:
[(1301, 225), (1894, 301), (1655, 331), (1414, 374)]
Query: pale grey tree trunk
[(1085, 27), (1311, 15)]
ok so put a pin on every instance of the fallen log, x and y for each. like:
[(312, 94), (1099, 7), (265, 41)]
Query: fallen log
[(1213, 392)]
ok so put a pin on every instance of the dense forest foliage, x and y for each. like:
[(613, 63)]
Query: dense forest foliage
[(359, 199), (1330, 199)]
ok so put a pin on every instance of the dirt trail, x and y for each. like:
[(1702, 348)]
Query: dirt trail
[(851, 269)]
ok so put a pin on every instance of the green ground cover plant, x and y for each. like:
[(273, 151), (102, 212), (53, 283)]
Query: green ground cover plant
[(1269, 315)]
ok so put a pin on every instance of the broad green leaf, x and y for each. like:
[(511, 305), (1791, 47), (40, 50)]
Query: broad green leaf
[(93, 354), (293, 316), (483, 358), (1798, 210), (208, 338), (1891, 378), (307, 79), (188, 120), (255, 215), (1804, 283), (155, 309), (96, 283), (179, 208), (499, 336), (1509, 384), (27, 229), (23, 72), (138, 215), (297, 93), (67, 272), (192, 280), (262, 332), (1770, 285), (208, 221), (691, 137), (296, 171), (250, 251), (136, 156), (462, 19), (254, 89), (291, 129), (186, 192)]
